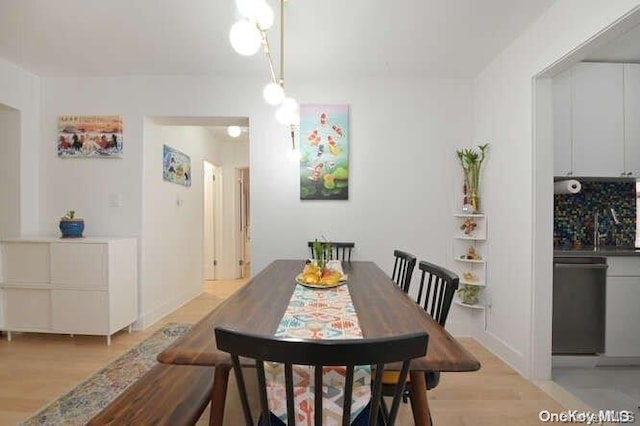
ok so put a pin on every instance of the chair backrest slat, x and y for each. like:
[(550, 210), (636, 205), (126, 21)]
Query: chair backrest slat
[(319, 353), (262, 384), (339, 250), (403, 267), (441, 285), (288, 378), (244, 399)]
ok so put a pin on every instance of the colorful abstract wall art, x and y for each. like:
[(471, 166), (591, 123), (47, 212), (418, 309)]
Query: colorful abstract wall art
[(89, 136), (324, 152), (176, 166)]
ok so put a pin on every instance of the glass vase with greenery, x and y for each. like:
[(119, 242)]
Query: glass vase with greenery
[(471, 161), (322, 252)]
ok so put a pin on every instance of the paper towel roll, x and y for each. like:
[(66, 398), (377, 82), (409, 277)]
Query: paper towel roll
[(570, 186)]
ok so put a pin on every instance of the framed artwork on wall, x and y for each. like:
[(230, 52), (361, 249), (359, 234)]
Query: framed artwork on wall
[(324, 152), (176, 166), (89, 136)]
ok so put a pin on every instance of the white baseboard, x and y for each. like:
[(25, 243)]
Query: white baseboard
[(592, 361), (150, 318), (509, 355), (575, 360), (461, 329)]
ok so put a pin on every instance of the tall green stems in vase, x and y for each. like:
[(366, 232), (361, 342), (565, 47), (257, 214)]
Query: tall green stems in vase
[(471, 162)]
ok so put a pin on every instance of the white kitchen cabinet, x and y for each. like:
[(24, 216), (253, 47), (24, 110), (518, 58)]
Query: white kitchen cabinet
[(622, 337), (598, 119), (562, 135), (631, 121), (74, 286), (595, 127)]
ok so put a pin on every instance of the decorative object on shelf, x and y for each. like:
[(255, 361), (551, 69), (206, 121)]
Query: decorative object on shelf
[(247, 35), (468, 294), (176, 166), (71, 226), (469, 276), (472, 254), (324, 152), (471, 162), (468, 226), (89, 136)]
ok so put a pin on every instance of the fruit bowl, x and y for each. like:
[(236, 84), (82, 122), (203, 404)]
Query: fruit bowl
[(331, 275)]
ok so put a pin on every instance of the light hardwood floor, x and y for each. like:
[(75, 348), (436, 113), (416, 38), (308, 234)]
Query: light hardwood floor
[(37, 368)]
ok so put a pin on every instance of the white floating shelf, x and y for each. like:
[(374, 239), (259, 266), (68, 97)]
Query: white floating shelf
[(460, 259), (468, 215), (478, 306), (467, 237), (476, 283)]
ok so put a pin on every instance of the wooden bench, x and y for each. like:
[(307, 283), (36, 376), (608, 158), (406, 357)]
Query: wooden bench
[(165, 395)]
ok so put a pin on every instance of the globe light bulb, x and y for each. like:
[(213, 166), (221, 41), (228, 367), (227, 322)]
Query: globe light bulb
[(245, 38), (264, 16), (234, 131), (289, 112), (249, 8), (273, 94)]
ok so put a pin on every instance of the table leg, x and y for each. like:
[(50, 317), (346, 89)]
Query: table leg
[(419, 403), (219, 394)]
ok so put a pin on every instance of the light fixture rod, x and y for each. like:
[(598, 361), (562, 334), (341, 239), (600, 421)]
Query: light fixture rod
[(282, 42), (267, 53)]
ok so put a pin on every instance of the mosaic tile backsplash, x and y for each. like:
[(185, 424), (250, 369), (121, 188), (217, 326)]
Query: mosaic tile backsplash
[(573, 217)]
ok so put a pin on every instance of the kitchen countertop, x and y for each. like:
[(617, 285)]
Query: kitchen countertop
[(588, 251)]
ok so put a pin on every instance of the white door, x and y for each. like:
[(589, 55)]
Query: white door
[(243, 249), (209, 233)]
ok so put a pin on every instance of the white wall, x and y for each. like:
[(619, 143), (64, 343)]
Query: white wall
[(20, 90), (503, 117), (173, 226), (404, 178)]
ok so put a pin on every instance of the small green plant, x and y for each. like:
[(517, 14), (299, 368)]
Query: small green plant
[(69, 215), (322, 251), (469, 294)]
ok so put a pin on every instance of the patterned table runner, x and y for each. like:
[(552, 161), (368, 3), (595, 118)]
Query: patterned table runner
[(318, 314)]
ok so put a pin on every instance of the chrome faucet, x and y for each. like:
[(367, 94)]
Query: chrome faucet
[(597, 236)]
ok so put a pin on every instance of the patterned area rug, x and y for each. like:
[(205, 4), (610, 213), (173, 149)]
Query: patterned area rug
[(88, 398)]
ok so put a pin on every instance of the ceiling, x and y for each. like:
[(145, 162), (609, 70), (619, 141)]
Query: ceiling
[(325, 38)]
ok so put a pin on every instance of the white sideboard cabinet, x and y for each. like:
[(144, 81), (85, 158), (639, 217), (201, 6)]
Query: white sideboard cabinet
[(71, 286)]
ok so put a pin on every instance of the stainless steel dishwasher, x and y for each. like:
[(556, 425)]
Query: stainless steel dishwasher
[(579, 291)]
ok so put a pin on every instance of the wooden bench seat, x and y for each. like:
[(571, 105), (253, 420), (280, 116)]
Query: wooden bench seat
[(165, 395)]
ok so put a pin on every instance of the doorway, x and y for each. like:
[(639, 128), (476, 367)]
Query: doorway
[(604, 386)]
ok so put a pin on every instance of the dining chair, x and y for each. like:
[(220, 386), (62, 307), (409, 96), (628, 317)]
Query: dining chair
[(339, 250), (318, 353), (435, 294), (403, 267)]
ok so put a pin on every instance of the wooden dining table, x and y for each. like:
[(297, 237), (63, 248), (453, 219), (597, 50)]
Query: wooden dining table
[(382, 309)]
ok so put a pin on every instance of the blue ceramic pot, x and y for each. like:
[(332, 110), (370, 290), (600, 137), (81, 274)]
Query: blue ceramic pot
[(72, 228)]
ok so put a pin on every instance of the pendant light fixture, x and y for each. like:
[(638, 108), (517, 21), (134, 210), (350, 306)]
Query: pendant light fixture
[(250, 33)]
